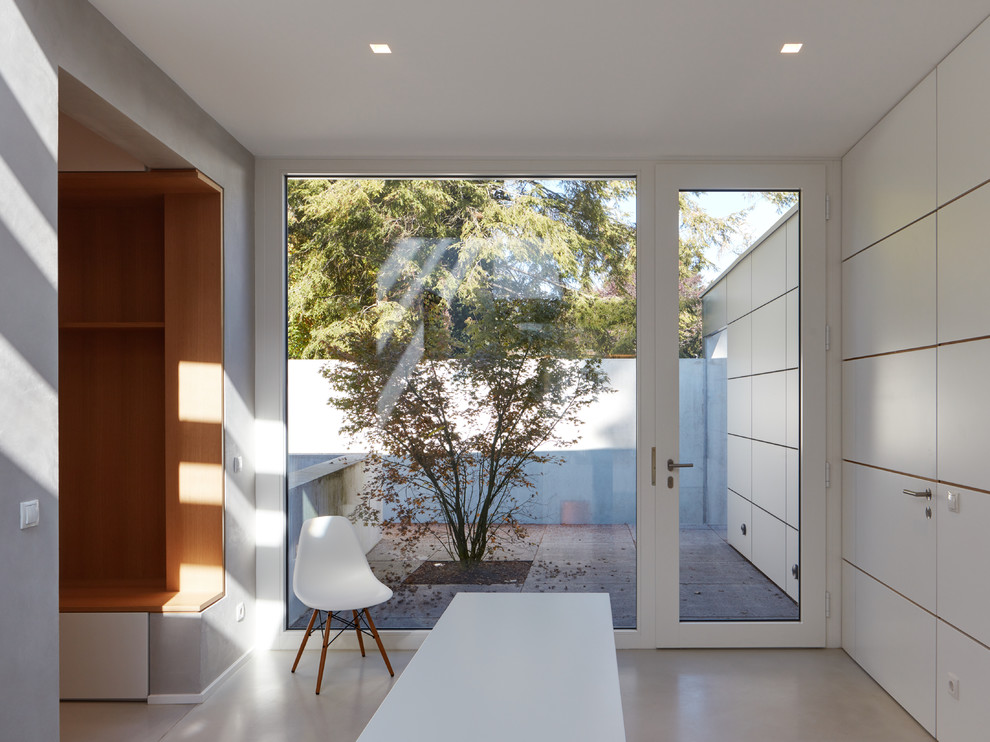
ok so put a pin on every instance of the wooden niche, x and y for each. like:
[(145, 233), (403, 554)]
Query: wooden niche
[(140, 391)]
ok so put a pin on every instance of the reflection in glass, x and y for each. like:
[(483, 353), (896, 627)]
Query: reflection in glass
[(740, 406), (461, 382)]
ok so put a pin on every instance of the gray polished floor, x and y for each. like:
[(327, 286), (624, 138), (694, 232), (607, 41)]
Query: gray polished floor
[(667, 696)]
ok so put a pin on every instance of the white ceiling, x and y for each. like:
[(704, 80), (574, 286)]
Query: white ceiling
[(546, 78)]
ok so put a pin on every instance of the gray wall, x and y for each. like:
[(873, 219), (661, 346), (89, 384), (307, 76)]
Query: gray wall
[(701, 385), (28, 378), (150, 116)]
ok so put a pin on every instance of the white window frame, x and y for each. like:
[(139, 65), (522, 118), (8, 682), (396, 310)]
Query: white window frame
[(654, 215), (270, 385)]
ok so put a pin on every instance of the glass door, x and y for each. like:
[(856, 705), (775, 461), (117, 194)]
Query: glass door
[(740, 519)]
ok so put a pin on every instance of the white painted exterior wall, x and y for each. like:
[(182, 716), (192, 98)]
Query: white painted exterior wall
[(754, 304)]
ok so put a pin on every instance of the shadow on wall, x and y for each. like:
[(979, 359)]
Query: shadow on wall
[(28, 380), (28, 298)]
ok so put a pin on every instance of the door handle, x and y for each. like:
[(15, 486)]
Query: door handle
[(912, 493), (671, 465)]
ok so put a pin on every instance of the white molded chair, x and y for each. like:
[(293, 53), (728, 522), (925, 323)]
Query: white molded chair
[(332, 576)]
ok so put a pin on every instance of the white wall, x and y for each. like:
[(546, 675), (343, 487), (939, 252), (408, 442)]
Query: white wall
[(39, 39), (915, 398), (314, 425), (755, 302), (597, 471)]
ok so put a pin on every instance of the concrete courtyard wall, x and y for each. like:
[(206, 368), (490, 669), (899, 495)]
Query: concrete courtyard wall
[(596, 481)]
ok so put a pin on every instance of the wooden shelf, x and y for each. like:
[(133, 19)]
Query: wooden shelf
[(129, 185), (111, 326), (127, 599), (140, 303)]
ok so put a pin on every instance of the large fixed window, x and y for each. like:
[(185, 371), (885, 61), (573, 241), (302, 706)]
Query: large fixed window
[(461, 383)]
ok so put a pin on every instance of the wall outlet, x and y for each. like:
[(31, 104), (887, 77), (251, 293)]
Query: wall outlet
[(953, 686), (238, 463), (953, 499), (239, 611)]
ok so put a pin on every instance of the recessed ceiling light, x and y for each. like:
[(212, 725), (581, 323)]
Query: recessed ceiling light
[(790, 48), (380, 48)]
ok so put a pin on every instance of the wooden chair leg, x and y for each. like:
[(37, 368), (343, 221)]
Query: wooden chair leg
[(374, 633), (309, 630), (323, 656), (357, 628)]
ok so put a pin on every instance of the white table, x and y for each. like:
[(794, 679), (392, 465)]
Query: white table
[(509, 667)]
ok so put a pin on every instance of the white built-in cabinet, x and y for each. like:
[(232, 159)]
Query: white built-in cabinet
[(916, 398)]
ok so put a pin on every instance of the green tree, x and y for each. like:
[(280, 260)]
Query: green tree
[(466, 320), (701, 234), (357, 247)]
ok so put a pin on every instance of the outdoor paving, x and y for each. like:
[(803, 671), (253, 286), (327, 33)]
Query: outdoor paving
[(716, 582), (565, 559)]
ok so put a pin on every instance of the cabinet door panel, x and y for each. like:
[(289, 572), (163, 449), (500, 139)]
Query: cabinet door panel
[(740, 406), (103, 656), (770, 407), (793, 252), (893, 640), (740, 347), (713, 308), (793, 558), (888, 294), (886, 533), (963, 552), (793, 488), (769, 337), (769, 268), (964, 116), (740, 465), (888, 412), (964, 414), (888, 178), (740, 517), (967, 717), (792, 413), (770, 546), (793, 329), (770, 478), (739, 291), (964, 267)]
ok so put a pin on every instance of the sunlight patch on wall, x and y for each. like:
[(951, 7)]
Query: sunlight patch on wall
[(200, 484), (200, 577), (25, 395), (21, 51), (29, 227), (270, 442), (200, 384), (269, 528)]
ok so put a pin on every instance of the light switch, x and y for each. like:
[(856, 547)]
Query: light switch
[(30, 514), (953, 498)]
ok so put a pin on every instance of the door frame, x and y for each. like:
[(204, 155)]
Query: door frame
[(811, 181), (270, 385)]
